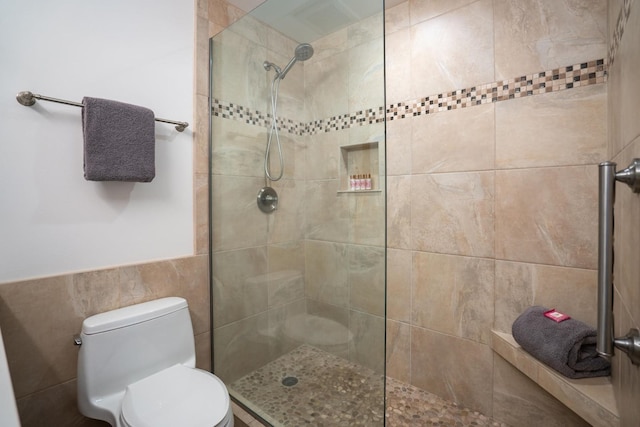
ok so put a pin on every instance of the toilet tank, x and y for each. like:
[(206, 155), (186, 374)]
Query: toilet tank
[(125, 345)]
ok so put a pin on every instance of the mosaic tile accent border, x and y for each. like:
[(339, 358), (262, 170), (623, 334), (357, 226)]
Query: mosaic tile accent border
[(253, 117), (623, 17), (344, 121), (569, 77), (557, 79)]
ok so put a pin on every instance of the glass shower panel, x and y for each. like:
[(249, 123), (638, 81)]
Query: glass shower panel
[(299, 293)]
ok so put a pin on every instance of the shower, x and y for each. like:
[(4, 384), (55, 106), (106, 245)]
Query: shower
[(298, 288), (303, 52)]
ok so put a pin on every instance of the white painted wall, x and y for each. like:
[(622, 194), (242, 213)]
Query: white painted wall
[(52, 221)]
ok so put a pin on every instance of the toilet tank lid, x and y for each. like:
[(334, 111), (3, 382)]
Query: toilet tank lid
[(131, 315)]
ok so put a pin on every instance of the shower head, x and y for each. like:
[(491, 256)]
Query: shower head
[(303, 52)]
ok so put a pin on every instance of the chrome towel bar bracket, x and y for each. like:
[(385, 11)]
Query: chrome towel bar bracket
[(28, 99), (630, 343)]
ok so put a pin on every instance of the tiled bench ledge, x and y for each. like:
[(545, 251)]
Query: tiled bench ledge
[(591, 398)]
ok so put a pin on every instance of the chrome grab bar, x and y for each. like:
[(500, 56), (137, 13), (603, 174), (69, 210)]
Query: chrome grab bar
[(629, 344)]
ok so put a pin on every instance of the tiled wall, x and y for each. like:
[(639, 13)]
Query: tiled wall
[(624, 145), (492, 202), (40, 317)]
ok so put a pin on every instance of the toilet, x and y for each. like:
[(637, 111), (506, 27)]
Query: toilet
[(136, 368)]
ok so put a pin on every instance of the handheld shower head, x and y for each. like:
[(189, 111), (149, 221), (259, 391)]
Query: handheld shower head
[(303, 52)]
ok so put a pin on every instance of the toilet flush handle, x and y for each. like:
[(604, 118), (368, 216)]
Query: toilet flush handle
[(77, 340)]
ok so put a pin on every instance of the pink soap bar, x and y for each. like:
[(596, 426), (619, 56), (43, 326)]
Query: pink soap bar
[(556, 315)]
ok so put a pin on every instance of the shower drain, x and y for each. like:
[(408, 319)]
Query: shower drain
[(289, 381)]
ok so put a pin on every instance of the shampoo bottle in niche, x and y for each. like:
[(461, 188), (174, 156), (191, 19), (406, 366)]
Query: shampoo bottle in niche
[(367, 182), (352, 182)]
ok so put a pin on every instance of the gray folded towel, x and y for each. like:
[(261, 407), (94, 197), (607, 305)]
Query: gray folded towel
[(569, 346), (119, 141)]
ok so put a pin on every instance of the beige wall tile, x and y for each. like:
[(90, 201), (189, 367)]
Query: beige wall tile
[(453, 368), (201, 137), (365, 30), (251, 29), (444, 59), (240, 288), (519, 401), (614, 117), (201, 60), (323, 154), (241, 70), (398, 66), (236, 220), (537, 35), (286, 223), (399, 285), (399, 351), (279, 44), (327, 86), (366, 75), (399, 212), (183, 277), (203, 351), (629, 378), (327, 216), (422, 10), (55, 406), (242, 347), (368, 219), (396, 18), (286, 256), (459, 140), (453, 295), (518, 286), (327, 272), (453, 213), (329, 45), (201, 213), (39, 319), (223, 13), (547, 215), (562, 128), (367, 347), (627, 239), (399, 134), (367, 279), (629, 102), (623, 92), (239, 148)]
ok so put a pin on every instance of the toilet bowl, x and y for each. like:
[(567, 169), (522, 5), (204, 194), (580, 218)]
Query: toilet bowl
[(136, 368)]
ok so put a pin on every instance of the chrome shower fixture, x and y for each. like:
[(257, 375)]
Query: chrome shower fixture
[(303, 52), (269, 65)]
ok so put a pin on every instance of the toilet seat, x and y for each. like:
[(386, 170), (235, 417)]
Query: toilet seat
[(177, 396)]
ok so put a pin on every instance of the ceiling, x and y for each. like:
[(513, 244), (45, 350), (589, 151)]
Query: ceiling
[(308, 20)]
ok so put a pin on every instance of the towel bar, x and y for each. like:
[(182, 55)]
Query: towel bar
[(629, 344), (27, 99)]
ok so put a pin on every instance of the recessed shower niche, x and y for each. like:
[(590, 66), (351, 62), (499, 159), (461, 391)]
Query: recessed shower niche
[(359, 160)]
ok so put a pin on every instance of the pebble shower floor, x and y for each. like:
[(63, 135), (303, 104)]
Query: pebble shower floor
[(324, 382)]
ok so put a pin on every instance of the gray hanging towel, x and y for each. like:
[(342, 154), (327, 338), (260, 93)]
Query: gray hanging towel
[(569, 346), (119, 141)]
